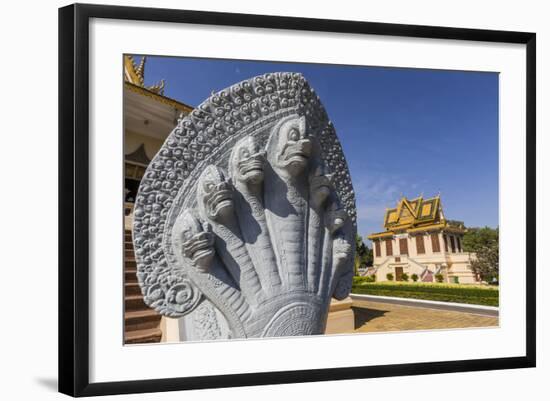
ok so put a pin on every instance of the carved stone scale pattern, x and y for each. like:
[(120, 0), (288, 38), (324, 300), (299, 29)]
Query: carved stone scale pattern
[(203, 138)]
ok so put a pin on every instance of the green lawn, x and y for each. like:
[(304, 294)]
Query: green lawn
[(461, 293)]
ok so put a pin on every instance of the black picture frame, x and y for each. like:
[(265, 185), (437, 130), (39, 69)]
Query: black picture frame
[(74, 198)]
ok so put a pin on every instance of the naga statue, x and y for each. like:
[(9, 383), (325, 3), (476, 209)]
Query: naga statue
[(245, 220)]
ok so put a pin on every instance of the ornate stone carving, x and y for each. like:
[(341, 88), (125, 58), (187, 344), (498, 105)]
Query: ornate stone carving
[(249, 205)]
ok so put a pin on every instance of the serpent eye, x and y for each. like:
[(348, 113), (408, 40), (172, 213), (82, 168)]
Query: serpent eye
[(245, 153), (208, 186), (186, 234), (294, 135)]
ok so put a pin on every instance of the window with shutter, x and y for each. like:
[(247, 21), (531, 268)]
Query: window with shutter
[(403, 246), (389, 248), (420, 245), (453, 249), (435, 243), (377, 249)]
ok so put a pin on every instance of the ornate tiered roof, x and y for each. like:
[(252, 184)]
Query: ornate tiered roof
[(418, 214)]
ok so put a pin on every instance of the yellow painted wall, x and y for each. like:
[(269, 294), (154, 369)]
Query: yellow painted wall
[(458, 263)]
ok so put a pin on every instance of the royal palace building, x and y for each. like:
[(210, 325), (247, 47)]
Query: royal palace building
[(149, 116), (418, 239)]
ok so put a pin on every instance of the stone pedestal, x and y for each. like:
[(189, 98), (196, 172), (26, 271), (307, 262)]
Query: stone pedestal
[(170, 330), (340, 317)]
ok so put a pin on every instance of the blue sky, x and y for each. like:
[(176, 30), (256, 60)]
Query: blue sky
[(404, 131)]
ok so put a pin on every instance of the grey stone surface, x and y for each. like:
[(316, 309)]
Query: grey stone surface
[(248, 205)]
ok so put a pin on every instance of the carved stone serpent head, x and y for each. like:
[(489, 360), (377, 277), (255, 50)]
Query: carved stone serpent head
[(214, 193), (292, 146), (197, 241), (247, 161)]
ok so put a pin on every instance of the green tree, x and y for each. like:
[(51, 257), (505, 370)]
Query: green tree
[(484, 243), (368, 257), (363, 254)]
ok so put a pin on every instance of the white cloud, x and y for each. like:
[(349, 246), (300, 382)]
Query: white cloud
[(376, 191)]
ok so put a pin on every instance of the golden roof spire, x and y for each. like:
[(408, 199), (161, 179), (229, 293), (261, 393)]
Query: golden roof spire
[(140, 71), (158, 88), (134, 79), (136, 74)]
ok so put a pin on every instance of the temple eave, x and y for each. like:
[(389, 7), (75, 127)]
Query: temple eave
[(161, 98), (381, 235)]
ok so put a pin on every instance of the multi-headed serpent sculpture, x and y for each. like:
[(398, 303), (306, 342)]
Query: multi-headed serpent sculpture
[(246, 215)]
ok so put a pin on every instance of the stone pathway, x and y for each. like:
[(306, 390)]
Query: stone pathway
[(376, 316)]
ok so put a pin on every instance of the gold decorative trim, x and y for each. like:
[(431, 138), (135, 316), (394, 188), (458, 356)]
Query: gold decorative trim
[(429, 227), (415, 216), (160, 98), (381, 235), (131, 70), (412, 212)]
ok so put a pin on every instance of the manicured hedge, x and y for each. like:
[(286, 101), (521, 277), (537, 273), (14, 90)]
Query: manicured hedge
[(461, 293)]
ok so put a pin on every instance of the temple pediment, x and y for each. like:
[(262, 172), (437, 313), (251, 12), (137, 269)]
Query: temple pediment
[(413, 212)]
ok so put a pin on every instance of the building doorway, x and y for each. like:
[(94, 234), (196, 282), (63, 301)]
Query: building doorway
[(399, 273)]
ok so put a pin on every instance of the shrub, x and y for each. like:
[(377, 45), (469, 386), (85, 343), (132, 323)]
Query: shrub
[(389, 276), (439, 277), (461, 293), (370, 278), (405, 277), (414, 277)]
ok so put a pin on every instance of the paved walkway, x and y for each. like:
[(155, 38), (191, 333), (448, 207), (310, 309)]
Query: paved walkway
[(375, 316)]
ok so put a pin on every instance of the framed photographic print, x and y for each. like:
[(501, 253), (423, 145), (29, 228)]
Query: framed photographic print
[(250, 199)]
